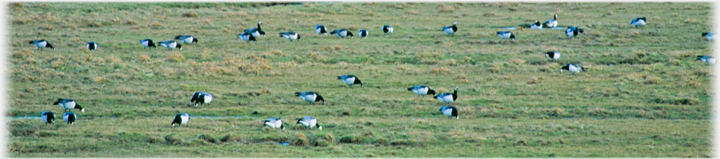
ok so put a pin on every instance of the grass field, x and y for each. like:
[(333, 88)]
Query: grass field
[(643, 95)]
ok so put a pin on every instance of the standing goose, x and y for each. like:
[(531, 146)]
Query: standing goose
[(363, 33), (422, 90), (201, 98), (48, 117), (536, 25), (342, 33), (68, 104), (290, 35), (310, 96), (638, 22), (170, 44), (70, 117), (552, 22), (275, 123), (447, 97), (256, 32), (573, 68), (181, 118), (186, 39), (554, 55), (147, 43), (92, 46), (706, 59), (42, 43), (573, 31), (451, 29), (309, 122), (506, 35), (450, 111), (350, 80), (708, 35), (247, 37), (387, 29), (320, 29)]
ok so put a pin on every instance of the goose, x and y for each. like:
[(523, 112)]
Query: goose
[(554, 55), (447, 97), (247, 37), (573, 31), (551, 23), (42, 43), (506, 35), (387, 29), (536, 25), (290, 35), (450, 111), (186, 39), (181, 118), (342, 33), (170, 44), (309, 122), (310, 96), (320, 29), (350, 80), (92, 46), (573, 68), (201, 98), (422, 90), (274, 123), (638, 22), (363, 33), (70, 117), (48, 117), (256, 32), (708, 35), (68, 104), (706, 59), (451, 29), (147, 43)]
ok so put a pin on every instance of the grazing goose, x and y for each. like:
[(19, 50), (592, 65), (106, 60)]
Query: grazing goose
[(552, 22), (554, 55), (48, 117), (309, 122), (320, 29), (573, 31), (42, 43), (638, 22), (274, 123), (70, 117), (573, 68), (506, 35), (450, 111), (180, 119), (170, 44), (447, 97), (256, 32), (68, 104), (706, 59), (147, 43), (708, 35), (310, 96), (536, 25), (290, 35), (342, 33), (451, 29), (247, 37), (201, 98), (387, 29), (363, 33), (186, 39), (422, 90), (92, 46), (350, 80)]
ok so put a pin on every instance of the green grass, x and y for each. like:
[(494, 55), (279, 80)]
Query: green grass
[(653, 101)]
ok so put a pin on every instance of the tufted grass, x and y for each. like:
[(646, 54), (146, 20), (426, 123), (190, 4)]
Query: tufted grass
[(644, 95)]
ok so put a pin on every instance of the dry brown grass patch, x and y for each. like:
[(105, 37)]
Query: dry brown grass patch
[(176, 57), (189, 14), (517, 61), (440, 70)]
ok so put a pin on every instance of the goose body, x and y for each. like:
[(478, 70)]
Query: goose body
[(451, 29), (536, 25), (708, 35), (573, 68), (421, 90), (42, 43), (554, 55), (170, 44), (320, 29), (275, 123), (573, 31), (256, 32), (706, 59), (92, 46), (181, 118), (552, 22), (387, 29), (70, 117), (310, 96), (447, 97), (147, 43), (48, 117), (639, 21), (309, 122), (68, 104), (450, 111), (290, 35), (350, 80), (506, 35), (186, 39), (342, 33), (363, 33), (247, 37), (201, 98)]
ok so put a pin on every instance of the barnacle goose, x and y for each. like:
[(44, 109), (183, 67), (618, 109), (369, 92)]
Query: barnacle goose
[(186, 39), (422, 90), (42, 43), (275, 123), (290, 35), (201, 98), (350, 80), (68, 104), (573, 68), (309, 122), (447, 97), (310, 96), (451, 29), (181, 118), (450, 111)]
